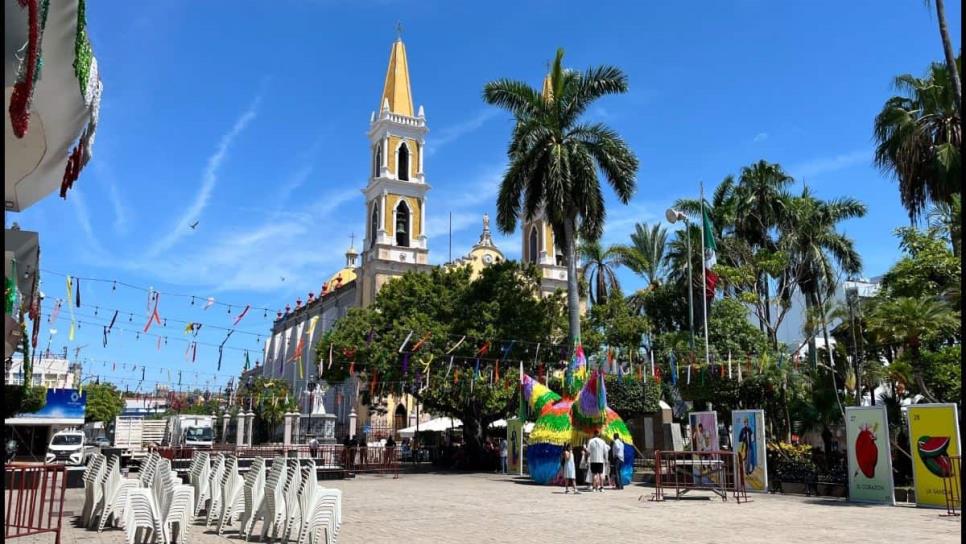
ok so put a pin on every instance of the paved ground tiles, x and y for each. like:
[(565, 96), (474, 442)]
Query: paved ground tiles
[(477, 508)]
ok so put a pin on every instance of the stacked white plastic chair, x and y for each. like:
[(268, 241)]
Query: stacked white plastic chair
[(253, 495), (141, 513), (200, 479), (98, 503), (92, 487), (214, 489), (233, 496), (293, 510), (174, 501), (273, 507), (320, 508), (115, 493)]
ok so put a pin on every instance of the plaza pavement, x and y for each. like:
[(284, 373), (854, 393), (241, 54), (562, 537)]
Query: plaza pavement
[(478, 508)]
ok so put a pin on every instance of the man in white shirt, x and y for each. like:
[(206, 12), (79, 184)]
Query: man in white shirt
[(617, 460), (597, 453)]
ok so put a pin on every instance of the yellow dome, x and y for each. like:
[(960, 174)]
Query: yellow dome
[(340, 278)]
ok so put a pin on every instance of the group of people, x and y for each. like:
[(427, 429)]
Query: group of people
[(499, 449), (596, 455)]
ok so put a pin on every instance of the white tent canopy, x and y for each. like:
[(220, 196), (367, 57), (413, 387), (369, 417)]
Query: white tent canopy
[(446, 423), (434, 425), (501, 424)]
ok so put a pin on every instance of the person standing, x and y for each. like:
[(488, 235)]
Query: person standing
[(503, 455), (314, 448), (568, 469), (617, 461), (597, 451)]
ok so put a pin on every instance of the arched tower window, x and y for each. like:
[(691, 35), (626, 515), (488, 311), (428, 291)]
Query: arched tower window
[(402, 224), (378, 161), (532, 253), (399, 418), (373, 224), (403, 169)]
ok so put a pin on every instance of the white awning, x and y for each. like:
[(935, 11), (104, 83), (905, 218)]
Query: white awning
[(501, 424), (43, 421), (434, 425)]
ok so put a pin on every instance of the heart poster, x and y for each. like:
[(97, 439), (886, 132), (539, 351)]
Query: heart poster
[(870, 457)]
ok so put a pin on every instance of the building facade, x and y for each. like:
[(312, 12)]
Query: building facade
[(52, 373), (395, 242)]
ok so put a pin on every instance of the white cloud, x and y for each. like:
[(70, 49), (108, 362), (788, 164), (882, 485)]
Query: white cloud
[(106, 176), (208, 181), (825, 165), (302, 245), (452, 133), (760, 137), (84, 219)]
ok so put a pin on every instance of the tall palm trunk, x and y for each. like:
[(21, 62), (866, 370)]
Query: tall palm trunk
[(573, 299), (948, 51)]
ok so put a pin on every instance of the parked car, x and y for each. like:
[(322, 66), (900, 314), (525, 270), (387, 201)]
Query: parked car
[(102, 442)]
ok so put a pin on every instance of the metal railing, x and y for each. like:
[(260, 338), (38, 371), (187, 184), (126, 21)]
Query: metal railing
[(686, 471), (952, 487), (33, 499), (333, 457)]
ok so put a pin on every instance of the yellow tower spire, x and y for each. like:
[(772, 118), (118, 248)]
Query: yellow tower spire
[(396, 91), (547, 89)]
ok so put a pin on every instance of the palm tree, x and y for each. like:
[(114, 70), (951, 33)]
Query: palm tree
[(646, 255), (910, 322), (815, 248), (555, 159), (947, 217), (599, 265), (918, 135), (948, 51)]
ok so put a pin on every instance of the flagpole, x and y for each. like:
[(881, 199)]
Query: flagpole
[(704, 276)]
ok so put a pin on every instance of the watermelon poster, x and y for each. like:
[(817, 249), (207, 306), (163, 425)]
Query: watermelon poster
[(748, 438), (934, 438), (870, 457)]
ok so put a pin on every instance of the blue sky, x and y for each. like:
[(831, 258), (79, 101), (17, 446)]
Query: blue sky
[(250, 117)]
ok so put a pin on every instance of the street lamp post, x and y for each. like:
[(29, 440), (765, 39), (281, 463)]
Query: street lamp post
[(674, 216)]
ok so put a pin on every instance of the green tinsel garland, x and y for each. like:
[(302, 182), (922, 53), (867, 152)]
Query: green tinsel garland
[(83, 52), (44, 8)]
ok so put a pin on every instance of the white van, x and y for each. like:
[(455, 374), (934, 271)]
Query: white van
[(67, 447)]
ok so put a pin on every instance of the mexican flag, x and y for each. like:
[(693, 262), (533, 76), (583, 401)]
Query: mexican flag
[(710, 252)]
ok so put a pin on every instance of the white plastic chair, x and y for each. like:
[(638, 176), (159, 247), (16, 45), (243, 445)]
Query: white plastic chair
[(233, 497), (115, 493), (214, 488), (174, 501), (99, 503), (141, 513), (253, 495), (273, 507), (92, 475), (200, 479)]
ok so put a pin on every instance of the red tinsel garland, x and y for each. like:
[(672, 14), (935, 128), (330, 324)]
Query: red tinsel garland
[(20, 99)]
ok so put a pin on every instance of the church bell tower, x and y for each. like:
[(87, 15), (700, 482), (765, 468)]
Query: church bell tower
[(395, 195)]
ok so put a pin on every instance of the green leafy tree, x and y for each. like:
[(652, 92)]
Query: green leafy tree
[(555, 159), (104, 403), (18, 399), (928, 267), (439, 308), (270, 400), (599, 269), (614, 324), (631, 397), (918, 138), (942, 372), (912, 324)]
